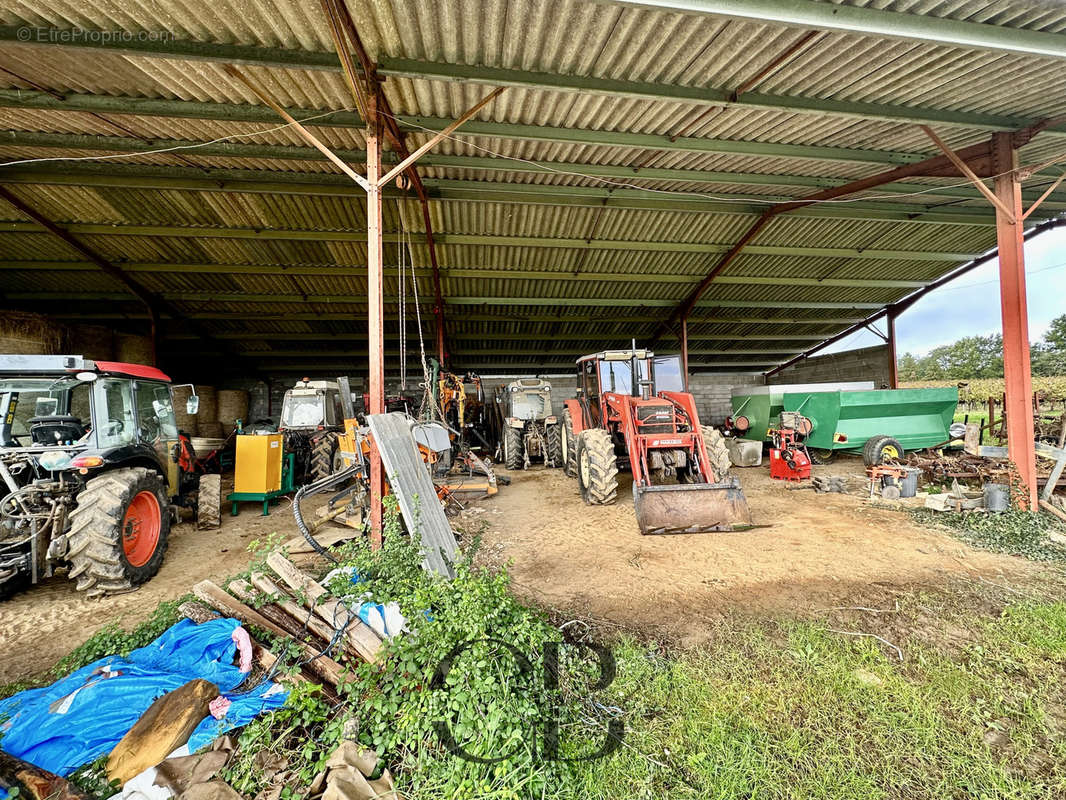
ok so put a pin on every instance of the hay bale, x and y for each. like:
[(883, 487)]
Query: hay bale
[(95, 342), (133, 348), (208, 403), (211, 430), (186, 422), (232, 406), (23, 333)]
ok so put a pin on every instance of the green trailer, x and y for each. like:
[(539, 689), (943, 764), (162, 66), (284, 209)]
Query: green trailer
[(880, 423), (756, 408)]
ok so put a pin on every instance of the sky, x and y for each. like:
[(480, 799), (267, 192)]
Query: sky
[(969, 306)]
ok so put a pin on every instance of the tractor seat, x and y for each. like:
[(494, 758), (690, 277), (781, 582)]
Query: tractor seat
[(55, 429)]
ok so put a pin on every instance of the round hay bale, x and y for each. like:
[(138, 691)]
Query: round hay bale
[(211, 430), (95, 342), (133, 348), (208, 403), (23, 333), (186, 422), (232, 406)]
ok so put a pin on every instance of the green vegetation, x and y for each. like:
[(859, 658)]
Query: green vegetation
[(976, 357), (1014, 532)]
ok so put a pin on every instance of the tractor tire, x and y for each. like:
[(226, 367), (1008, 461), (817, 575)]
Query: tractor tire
[(879, 449), (568, 445), (717, 452), (118, 531), (554, 456), (209, 502), (821, 457), (513, 448), (597, 472), (323, 456)]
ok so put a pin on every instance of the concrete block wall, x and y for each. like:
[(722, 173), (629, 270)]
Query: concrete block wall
[(864, 364), (713, 393)]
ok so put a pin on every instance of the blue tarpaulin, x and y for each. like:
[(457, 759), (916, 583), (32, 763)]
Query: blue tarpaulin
[(83, 716)]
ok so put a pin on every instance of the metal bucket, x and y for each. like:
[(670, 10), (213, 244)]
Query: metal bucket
[(908, 487), (692, 508), (997, 496)]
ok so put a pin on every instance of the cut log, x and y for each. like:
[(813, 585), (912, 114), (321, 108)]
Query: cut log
[(364, 640), (34, 783), (164, 727), (197, 612), (323, 666), (292, 623)]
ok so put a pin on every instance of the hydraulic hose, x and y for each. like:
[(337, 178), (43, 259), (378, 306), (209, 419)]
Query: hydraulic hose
[(313, 488)]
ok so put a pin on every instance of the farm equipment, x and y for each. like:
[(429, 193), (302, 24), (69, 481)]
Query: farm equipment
[(756, 408), (789, 460), (633, 406), (311, 420), (90, 461), (528, 427)]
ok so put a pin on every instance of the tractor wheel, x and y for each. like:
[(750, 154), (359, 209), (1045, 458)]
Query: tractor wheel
[(880, 449), (323, 456), (554, 456), (568, 445), (513, 449), (717, 452), (209, 502), (597, 467), (118, 531)]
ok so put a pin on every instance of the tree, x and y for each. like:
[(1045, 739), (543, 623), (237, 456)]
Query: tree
[(1055, 338)]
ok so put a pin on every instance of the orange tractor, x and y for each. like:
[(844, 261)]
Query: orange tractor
[(633, 408)]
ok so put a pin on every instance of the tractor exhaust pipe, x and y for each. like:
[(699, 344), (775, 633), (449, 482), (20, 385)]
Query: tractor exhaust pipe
[(634, 370)]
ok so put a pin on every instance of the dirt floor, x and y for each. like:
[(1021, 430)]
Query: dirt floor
[(817, 551), (42, 624)]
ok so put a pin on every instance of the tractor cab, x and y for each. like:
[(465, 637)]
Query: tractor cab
[(311, 405)]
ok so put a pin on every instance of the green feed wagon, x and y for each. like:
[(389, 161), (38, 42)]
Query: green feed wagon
[(878, 423), (756, 408)]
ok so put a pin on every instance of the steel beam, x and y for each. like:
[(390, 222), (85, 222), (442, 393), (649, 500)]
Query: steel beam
[(869, 21), (331, 336), (1016, 366), (460, 272)]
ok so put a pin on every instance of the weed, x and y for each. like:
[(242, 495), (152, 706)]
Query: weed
[(1019, 533)]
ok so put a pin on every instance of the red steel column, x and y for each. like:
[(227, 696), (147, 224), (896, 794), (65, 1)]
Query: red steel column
[(1016, 367), (893, 374), (684, 348), (375, 312)]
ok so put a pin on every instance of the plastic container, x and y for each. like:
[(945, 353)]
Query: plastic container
[(997, 497), (908, 487)]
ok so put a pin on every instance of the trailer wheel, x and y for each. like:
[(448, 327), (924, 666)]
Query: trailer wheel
[(597, 467), (568, 445), (118, 531), (209, 502), (879, 449), (323, 456), (513, 447), (822, 457), (553, 433), (717, 452)]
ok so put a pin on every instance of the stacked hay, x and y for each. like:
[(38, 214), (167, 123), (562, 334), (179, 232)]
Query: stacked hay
[(232, 406), (186, 422), (208, 403), (92, 341), (29, 334), (134, 349)]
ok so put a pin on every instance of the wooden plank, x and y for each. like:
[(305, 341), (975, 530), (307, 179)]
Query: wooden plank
[(364, 640), (328, 669), (303, 616), (298, 545), (34, 783)]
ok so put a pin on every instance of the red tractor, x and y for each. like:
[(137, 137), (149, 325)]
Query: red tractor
[(633, 408)]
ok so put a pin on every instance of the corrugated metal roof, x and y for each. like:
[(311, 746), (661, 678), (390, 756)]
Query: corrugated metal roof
[(490, 241)]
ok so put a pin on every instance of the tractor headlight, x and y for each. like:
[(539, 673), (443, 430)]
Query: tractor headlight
[(54, 460)]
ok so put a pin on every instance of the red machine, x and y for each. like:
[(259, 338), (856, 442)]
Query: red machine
[(789, 459), (633, 408)]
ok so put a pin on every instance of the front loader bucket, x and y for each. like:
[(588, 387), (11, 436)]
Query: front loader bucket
[(692, 508)]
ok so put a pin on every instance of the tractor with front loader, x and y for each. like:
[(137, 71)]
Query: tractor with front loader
[(312, 420), (91, 466), (633, 409)]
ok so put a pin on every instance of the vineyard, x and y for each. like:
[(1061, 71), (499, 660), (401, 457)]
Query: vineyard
[(1052, 388)]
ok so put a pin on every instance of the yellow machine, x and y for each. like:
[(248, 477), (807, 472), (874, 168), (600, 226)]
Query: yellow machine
[(258, 464)]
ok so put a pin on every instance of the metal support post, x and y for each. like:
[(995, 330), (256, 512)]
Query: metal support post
[(375, 311), (684, 348), (893, 374), (1016, 367)]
